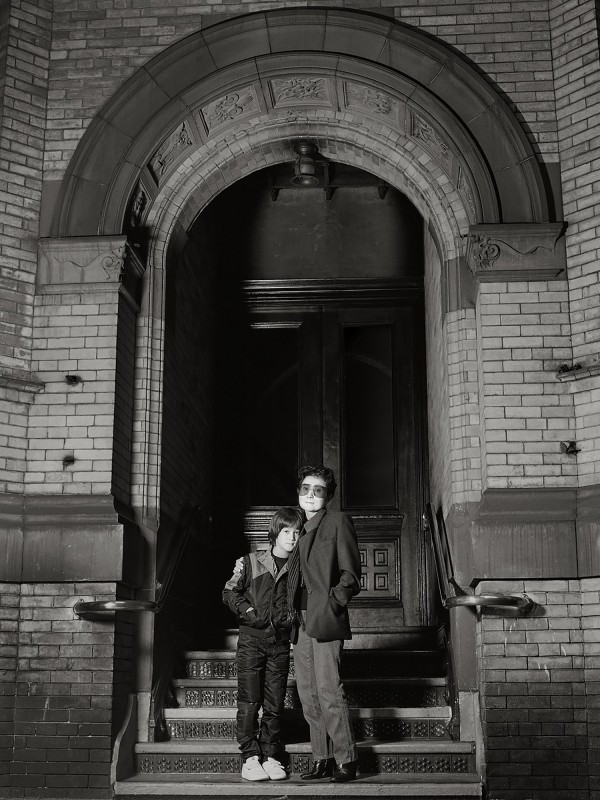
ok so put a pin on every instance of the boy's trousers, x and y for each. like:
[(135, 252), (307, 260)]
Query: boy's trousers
[(262, 667)]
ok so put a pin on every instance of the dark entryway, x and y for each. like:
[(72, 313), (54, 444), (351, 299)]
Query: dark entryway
[(319, 357)]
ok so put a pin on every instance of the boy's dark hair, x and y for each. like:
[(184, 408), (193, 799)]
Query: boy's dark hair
[(319, 471), (286, 517)]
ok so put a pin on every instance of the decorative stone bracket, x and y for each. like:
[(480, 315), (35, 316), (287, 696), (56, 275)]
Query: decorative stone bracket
[(527, 251), (88, 264)]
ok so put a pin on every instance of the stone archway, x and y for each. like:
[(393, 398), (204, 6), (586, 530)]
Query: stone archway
[(276, 62)]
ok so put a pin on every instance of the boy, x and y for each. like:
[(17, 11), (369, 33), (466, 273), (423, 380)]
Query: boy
[(258, 595)]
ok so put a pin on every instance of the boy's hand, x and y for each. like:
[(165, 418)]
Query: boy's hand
[(239, 567)]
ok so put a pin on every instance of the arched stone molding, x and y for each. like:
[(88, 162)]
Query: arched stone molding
[(347, 138), (275, 62)]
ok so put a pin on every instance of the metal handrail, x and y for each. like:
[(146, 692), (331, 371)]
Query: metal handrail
[(451, 593), (83, 607)]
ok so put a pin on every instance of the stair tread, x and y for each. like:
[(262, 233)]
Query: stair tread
[(360, 651), (417, 785), (210, 712), (402, 680), (375, 746)]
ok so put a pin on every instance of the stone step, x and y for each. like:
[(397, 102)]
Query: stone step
[(356, 663), (202, 724), (213, 787), (408, 638), (375, 757), (365, 692)]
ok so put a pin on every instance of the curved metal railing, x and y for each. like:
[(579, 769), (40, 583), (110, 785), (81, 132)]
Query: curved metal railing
[(452, 594), (102, 607)]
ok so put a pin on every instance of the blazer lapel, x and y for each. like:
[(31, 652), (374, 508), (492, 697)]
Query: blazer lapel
[(308, 539)]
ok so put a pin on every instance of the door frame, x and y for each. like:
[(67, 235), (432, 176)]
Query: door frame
[(303, 295)]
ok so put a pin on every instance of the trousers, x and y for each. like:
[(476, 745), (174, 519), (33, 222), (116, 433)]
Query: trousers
[(323, 699), (262, 667)]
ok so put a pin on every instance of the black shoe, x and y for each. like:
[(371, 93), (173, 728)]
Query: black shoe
[(344, 772), (323, 768)]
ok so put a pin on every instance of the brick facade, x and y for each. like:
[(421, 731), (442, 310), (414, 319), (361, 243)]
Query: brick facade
[(535, 689), (499, 412)]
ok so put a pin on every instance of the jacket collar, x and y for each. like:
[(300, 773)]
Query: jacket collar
[(313, 523), (266, 557), (310, 527)]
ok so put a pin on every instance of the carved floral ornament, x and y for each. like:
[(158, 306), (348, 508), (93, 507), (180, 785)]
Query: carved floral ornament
[(229, 107), (516, 251), (93, 260), (297, 98), (300, 89), (174, 145), (368, 98)]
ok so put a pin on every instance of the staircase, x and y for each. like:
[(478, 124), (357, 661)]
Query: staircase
[(397, 691)]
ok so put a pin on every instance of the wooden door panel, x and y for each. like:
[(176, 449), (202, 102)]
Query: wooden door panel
[(357, 388)]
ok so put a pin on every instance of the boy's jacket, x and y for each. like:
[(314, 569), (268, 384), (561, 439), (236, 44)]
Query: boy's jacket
[(258, 587)]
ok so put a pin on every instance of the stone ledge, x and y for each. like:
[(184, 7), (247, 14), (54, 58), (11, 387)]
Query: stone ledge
[(517, 252)]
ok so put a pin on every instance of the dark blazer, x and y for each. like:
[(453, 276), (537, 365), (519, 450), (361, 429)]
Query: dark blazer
[(330, 564)]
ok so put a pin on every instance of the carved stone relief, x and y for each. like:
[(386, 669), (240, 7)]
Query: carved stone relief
[(368, 99), (99, 259), (138, 206), (301, 89), (431, 139), (464, 189), (174, 145), (516, 251), (230, 107)]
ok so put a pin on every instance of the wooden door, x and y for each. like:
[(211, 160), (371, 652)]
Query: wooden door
[(335, 381)]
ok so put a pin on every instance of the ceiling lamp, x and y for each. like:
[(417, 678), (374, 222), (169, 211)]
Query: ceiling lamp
[(305, 167)]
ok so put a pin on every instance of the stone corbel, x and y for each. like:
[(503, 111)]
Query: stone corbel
[(88, 264), (521, 252)]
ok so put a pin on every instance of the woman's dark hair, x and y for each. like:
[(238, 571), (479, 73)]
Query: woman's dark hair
[(286, 517), (319, 471)]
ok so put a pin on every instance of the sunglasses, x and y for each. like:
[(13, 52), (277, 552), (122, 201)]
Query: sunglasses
[(318, 491)]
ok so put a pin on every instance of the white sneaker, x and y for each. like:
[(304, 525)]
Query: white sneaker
[(274, 769), (252, 770)]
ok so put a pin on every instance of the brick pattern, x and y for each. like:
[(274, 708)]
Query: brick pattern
[(510, 41), (437, 382), (523, 338), (9, 639), (24, 63), (14, 406), (96, 47), (590, 606), (65, 684), (466, 466), (577, 87), (534, 695), (74, 334)]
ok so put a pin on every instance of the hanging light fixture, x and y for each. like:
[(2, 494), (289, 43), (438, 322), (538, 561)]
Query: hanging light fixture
[(305, 167)]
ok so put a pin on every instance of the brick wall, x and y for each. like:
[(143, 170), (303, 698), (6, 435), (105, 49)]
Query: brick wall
[(577, 88), (590, 606), (71, 681), (440, 482), (466, 462), (74, 334), (510, 41), (523, 338), (533, 682), (96, 47), (9, 642), (24, 63)]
